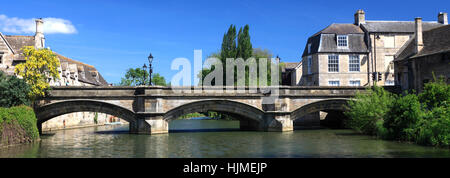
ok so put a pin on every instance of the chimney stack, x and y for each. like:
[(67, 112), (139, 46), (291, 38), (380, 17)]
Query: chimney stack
[(442, 18), (360, 17), (418, 34), (39, 38)]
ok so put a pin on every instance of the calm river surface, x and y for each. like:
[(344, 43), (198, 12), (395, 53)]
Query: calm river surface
[(205, 141)]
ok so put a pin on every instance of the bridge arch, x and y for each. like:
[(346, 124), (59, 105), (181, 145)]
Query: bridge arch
[(250, 117), (50, 111), (323, 105)]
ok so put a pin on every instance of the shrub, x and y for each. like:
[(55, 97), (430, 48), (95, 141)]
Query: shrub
[(435, 94), (434, 129), (402, 117), (13, 91), (22, 116), (368, 109)]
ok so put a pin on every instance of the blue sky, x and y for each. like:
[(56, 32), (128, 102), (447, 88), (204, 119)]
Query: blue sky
[(117, 35)]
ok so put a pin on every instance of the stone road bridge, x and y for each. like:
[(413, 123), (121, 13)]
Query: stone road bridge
[(150, 109)]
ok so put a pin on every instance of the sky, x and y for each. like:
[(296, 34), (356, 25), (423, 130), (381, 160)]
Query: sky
[(116, 35)]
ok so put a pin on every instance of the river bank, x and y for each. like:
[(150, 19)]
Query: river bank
[(17, 126)]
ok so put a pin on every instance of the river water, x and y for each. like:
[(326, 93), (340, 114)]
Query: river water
[(214, 139)]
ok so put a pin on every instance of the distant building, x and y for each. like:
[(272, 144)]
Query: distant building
[(71, 73), (350, 54), (427, 53), (288, 72)]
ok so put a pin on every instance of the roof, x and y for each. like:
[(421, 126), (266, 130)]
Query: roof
[(290, 65), (86, 73), (17, 42), (341, 29), (434, 41), (325, 40), (397, 26), (6, 46)]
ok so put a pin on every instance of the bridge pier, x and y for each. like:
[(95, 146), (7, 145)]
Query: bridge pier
[(279, 122), (39, 127), (149, 125)]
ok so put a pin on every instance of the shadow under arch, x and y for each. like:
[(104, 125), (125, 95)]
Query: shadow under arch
[(250, 117), (323, 105), (50, 111)]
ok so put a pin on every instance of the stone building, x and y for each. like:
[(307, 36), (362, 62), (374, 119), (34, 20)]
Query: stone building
[(71, 73), (336, 56), (424, 55), (356, 54), (359, 54)]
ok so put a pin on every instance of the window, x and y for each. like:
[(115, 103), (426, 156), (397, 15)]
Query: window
[(1, 58), (333, 63), (389, 83), (333, 83), (342, 41), (309, 48), (354, 83), (389, 41), (353, 63), (388, 63), (309, 64)]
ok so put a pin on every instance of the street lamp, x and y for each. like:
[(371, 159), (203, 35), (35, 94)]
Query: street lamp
[(150, 60), (144, 68)]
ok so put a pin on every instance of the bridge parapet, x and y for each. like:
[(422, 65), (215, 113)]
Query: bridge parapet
[(158, 91)]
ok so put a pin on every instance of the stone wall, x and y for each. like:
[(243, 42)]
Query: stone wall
[(78, 120), (381, 51), (344, 75)]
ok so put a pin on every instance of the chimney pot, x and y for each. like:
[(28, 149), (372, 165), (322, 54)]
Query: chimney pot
[(442, 18), (418, 34), (360, 17), (39, 36)]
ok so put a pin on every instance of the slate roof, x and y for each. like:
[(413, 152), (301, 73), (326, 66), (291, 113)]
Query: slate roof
[(341, 29), (86, 73), (17, 42), (435, 41), (290, 65), (325, 40), (397, 26)]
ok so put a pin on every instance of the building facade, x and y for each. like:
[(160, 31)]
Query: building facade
[(357, 54), (425, 57), (71, 73)]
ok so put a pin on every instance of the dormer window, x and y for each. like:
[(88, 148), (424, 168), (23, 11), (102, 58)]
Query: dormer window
[(309, 48), (342, 41)]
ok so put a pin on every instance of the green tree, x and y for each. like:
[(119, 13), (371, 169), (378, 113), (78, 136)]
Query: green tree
[(158, 80), (229, 44), (244, 48), (137, 76), (40, 66), (13, 91)]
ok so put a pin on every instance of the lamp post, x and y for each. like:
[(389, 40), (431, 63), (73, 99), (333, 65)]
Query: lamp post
[(144, 68), (150, 60)]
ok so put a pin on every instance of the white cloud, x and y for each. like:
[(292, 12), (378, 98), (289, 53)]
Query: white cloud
[(51, 25)]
